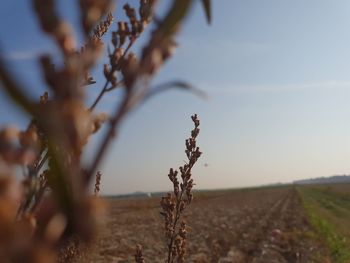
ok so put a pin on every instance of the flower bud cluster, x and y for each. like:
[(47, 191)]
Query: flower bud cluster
[(127, 31), (174, 204), (92, 11), (97, 183)]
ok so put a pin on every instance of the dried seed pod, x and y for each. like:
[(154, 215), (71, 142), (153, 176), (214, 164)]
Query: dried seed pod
[(146, 10), (92, 11), (138, 255), (130, 13), (97, 183), (173, 205)]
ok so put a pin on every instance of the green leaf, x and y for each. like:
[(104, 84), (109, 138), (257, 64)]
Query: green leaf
[(175, 85), (207, 8), (176, 14)]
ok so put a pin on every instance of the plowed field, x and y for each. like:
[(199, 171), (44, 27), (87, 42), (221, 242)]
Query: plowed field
[(256, 225)]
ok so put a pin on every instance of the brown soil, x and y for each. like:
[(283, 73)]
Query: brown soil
[(264, 225)]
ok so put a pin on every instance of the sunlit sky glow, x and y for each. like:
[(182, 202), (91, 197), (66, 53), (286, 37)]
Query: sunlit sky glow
[(277, 76)]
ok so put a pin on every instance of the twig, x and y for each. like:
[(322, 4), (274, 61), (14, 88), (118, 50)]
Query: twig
[(105, 87), (121, 110), (174, 204), (119, 83), (42, 162), (99, 97)]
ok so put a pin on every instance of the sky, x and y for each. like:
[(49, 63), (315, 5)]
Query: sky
[(277, 78)]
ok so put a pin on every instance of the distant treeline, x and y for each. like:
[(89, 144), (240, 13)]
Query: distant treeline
[(325, 180)]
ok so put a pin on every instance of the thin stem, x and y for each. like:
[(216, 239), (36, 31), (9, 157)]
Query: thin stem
[(177, 217), (116, 86), (38, 197), (42, 162), (118, 116), (105, 87), (99, 97), (92, 107), (21, 209)]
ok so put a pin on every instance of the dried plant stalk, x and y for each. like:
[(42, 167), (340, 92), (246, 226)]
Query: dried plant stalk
[(53, 203), (174, 204), (97, 183)]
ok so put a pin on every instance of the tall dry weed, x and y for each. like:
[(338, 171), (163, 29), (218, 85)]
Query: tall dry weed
[(53, 204), (175, 203)]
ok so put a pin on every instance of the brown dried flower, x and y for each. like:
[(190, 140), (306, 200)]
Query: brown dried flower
[(97, 183), (53, 203), (138, 255), (174, 204)]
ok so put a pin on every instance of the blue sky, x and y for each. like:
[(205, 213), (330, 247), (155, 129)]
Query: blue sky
[(277, 76)]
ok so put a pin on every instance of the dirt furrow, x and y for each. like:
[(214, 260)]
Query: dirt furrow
[(241, 226), (251, 243)]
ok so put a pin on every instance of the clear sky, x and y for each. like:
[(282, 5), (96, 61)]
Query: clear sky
[(277, 76)]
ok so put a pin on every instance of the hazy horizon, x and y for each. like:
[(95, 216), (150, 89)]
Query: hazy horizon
[(277, 77)]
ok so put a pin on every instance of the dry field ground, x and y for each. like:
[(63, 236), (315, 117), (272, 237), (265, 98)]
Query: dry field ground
[(252, 225)]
